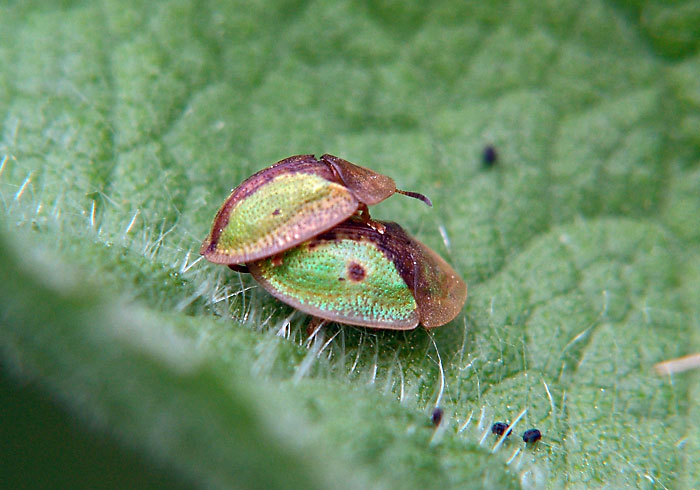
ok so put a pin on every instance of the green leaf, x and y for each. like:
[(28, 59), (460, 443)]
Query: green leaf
[(123, 126)]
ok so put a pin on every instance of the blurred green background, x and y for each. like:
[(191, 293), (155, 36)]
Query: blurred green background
[(128, 362)]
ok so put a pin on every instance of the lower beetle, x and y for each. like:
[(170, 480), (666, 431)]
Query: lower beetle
[(357, 275)]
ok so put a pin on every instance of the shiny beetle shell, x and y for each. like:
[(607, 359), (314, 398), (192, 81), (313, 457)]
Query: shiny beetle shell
[(290, 202), (353, 274)]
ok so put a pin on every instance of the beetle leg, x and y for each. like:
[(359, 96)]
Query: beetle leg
[(239, 268), (315, 324), (367, 219)]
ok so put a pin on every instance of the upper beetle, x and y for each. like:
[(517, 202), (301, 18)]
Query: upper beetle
[(290, 202)]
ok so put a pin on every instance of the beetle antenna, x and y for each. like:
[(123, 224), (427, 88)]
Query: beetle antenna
[(416, 195)]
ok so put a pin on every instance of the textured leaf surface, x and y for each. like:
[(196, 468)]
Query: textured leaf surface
[(123, 126)]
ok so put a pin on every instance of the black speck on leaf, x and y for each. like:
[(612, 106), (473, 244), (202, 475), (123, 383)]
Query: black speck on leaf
[(436, 416), (499, 428), (489, 156), (532, 435)]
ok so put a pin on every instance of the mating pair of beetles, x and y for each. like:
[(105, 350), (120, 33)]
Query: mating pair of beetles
[(302, 229)]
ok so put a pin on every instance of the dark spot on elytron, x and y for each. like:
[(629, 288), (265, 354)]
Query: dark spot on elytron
[(356, 272), (341, 278), (275, 212)]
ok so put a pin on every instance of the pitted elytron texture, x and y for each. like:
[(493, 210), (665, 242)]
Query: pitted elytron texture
[(322, 279), (284, 211)]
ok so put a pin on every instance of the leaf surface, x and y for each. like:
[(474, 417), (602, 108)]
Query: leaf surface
[(124, 125)]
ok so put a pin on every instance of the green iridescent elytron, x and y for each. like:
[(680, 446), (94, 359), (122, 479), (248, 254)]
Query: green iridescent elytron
[(294, 200), (357, 275), (262, 220), (341, 278)]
